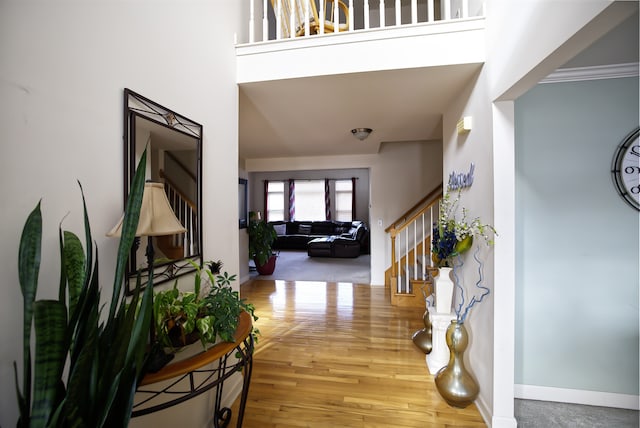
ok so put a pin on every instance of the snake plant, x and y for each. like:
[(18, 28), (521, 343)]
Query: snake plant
[(86, 363)]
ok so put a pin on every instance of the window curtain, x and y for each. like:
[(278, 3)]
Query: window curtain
[(353, 198), (266, 198), (292, 200), (327, 200)]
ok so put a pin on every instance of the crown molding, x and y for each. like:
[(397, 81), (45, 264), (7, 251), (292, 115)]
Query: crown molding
[(596, 72)]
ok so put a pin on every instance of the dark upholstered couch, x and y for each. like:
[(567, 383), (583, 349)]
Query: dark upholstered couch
[(332, 238)]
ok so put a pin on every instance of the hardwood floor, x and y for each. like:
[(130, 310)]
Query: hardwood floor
[(339, 355)]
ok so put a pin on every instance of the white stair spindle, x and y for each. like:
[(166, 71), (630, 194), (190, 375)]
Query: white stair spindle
[(307, 28), (424, 250), (366, 14), (414, 11), (350, 15), (406, 259), (398, 276), (278, 19), (252, 22), (465, 9), (321, 14), (336, 17), (265, 21), (431, 234), (398, 13), (447, 9), (382, 14), (415, 247), (293, 10), (430, 11)]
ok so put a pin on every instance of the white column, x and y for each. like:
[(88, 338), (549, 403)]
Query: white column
[(439, 356)]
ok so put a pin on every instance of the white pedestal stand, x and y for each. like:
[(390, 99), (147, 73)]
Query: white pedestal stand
[(439, 356)]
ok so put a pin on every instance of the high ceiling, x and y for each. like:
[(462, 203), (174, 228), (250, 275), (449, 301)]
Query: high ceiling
[(314, 116)]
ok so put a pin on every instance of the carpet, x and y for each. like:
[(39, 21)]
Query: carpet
[(298, 266), (546, 414)]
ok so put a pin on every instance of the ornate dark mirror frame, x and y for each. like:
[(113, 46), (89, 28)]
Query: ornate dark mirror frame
[(174, 144)]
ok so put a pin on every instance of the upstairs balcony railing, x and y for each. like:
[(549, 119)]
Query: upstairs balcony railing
[(290, 19)]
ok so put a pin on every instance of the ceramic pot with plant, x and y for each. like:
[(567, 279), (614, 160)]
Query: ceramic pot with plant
[(262, 235), (209, 313)]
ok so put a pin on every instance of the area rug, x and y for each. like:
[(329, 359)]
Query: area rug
[(298, 266), (546, 414)]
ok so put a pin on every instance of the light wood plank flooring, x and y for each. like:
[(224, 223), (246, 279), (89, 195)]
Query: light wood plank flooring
[(339, 355)]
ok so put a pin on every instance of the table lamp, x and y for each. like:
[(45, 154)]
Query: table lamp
[(156, 219)]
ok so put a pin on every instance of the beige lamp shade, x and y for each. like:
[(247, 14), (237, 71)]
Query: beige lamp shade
[(156, 215)]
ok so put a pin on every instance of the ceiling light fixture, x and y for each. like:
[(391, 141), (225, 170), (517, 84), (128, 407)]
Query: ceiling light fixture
[(361, 133)]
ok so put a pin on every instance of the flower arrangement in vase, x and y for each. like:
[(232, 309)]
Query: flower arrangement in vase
[(453, 237)]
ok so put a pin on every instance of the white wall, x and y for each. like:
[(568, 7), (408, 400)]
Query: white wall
[(518, 55), (63, 70), (400, 175), (458, 153), (578, 241)]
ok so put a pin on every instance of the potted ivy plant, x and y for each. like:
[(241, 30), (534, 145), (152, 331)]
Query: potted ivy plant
[(208, 313), (261, 238)]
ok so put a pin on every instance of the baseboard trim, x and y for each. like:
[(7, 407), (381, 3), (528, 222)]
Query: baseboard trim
[(502, 422), (577, 396), (481, 404), (494, 421), (245, 278)]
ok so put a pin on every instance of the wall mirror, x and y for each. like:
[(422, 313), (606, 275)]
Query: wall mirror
[(174, 158)]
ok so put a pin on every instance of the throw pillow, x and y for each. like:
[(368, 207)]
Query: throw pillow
[(281, 229), (304, 229)]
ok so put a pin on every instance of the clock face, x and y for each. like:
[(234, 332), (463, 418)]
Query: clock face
[(626, 169)]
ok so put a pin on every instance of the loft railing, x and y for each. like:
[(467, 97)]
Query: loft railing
[(411, 243), (288, 19)]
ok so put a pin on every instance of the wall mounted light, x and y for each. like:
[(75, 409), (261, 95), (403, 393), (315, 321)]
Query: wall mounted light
[(361, 133), (464, 125)]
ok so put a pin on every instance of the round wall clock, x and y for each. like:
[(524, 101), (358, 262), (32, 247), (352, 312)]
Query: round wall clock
[(625, 169)]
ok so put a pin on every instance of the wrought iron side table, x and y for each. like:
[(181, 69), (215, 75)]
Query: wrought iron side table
[(189, 377)]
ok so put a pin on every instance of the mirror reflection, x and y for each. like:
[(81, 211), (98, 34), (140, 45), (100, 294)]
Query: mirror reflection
[(173, 159)]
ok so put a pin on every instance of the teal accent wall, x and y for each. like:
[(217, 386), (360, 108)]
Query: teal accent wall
[(577, 241)]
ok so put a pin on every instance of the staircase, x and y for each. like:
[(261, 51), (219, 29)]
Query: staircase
[(409, 277), (183, 245)]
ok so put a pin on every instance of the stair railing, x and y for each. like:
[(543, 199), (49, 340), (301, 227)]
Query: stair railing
[(187, 212), (411, 243)]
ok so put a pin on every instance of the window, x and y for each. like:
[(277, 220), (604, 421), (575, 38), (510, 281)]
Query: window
[(344, 200), (275, 201), (309, 196)]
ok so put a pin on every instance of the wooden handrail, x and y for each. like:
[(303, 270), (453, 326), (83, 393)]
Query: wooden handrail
[(411, 219), (432, 196)]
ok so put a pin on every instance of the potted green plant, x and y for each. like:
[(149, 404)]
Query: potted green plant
[(215, 266), (86, 361), (208, 313), (261, 238)]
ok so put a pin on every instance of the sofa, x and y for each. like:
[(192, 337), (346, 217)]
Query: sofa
[(323, 238)]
